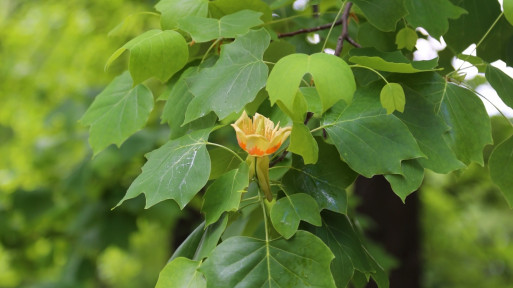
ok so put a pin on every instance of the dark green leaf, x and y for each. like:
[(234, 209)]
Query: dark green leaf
[(369, 140), (501, 168), (332, 76), (410, 180), (233, 81), (370, 36), (302, 261), (117, 112), (289, 210), (222, 162), (383, 14), (390, 61), (392, 97), (205, 29), (219, 8), (325, 181), (174, 10), (303, 143), (181, 273), (225, 193), (406, 38), (432, 15), (502, 83), (154, 53), (177, 170)]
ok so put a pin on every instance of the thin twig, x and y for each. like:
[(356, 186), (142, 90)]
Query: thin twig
[(344, 35), (308, 30)]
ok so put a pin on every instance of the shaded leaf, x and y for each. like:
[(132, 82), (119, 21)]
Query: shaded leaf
[(406, 38), (117, 112), (205, 29), (289, 210), (219, 8), (303, 143), (181, 273), (383, 14), (432, 15), (368, 140), (390, 61), (233, 81), (222, 162), (225, 193), (501, 168), (325, 181), (302, 261), (177, 170), (410, 180), (333, 79), (502, 83), (174, 10), (392, 97)]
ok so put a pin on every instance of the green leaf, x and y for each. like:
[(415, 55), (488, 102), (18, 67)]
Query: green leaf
[(219, 8), (233, 81), (508, 10), (313, 100), (370, 36), (222, 162), (470, 125), (502, 83), (368, 140), (289, 210), (428, 129), (205, 29), (432, 15), (404, 185), (302, 261), (325, 181), (177, 170), (303, 143), (392, 97), (390, 61), (406, 38), (174, 10), (225, 193), (117, 112), (154, 53), (474, 60), (201, 241), (383, 14), (501, 168), (181, 273), (333, 79)]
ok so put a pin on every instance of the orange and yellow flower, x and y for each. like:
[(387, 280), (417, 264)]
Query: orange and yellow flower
[(258, 136)]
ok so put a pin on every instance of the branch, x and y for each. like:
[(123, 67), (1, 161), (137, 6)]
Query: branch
[(344, 35), (308, 30)]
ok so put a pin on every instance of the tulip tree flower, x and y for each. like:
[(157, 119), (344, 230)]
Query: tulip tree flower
[(260, 138)]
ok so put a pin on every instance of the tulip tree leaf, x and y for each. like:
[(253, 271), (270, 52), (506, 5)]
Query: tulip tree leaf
[(289, 210), (233, 81), (154, 53), (201, 241), (508, 10), (220, 8), (117, 112), (222, 162), (406, 38), (404, 185), (177, 170), (383, 14), (225, 193), (502, 83), (432, 15), (303, 143), (205, 29), (174, 10), (325, 181), (501, 168), (390, 61), (181, 273), (368, 140), (333, 79), (302, 261), (392, 97)]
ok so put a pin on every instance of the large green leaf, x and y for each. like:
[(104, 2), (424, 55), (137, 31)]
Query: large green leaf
[(174, 10), (383, 14), (177, 170), (220, 8), (201, 241), (117, 112), (225, 193), (369, 140), (432, 15), (428, 129), (302, 261), (181, 273), (332, 76), (404, 185), (303, 143), (389, 61), (501, 168), (502, 83), (289, 210), (205, 29), (325, 181), (154, 53), (233, 81)]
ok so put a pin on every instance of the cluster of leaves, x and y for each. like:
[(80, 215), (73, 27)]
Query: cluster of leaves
[(384, 114)]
